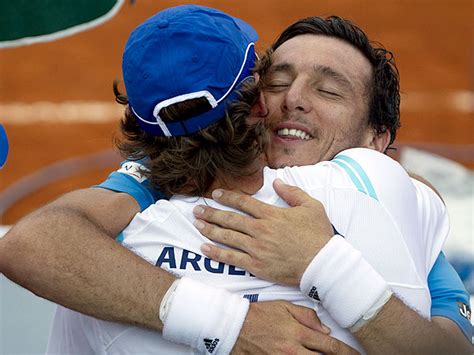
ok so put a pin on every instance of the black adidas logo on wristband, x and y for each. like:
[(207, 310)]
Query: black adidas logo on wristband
[(211, 344)]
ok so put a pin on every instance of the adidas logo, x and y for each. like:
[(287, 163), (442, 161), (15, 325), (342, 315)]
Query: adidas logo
[(211, 344), (465, 310), (313, 293)]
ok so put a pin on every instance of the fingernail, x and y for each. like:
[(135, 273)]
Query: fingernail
[(325, 329), (278, 181), (198, 210), (205, 248), (198, 224), (217, 193)]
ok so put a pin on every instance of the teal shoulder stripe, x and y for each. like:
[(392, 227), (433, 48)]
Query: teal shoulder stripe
[(365, 179), (351, 174)]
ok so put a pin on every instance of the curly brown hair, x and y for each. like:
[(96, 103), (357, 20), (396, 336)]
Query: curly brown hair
[(189, 165)]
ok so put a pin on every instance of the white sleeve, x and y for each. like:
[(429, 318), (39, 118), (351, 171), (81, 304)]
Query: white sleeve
[(416, 209), (434, 222), (373, 203)]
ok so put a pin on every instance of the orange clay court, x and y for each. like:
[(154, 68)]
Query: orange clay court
[(56, 99)]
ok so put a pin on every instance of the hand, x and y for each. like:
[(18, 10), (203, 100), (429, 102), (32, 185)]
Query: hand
[(273, 243), (280, 327)]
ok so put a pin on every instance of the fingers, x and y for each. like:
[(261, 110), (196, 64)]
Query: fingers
[(324, 343), (241, 202), (293, 195), (308, 318), (314, 335), (225, 219), (227, 256), (228, 237), (271, 327)]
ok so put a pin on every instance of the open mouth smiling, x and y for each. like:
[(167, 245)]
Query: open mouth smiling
[(293, 133)]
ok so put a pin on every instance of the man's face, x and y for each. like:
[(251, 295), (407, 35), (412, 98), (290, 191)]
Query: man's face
[(317, 99)]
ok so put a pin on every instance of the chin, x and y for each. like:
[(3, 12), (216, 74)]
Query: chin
[(282, 163), (281, 158), (278, 164)]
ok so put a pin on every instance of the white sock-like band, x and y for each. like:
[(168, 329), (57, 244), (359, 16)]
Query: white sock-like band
[(345, 283), (372, 312), (204, 317)]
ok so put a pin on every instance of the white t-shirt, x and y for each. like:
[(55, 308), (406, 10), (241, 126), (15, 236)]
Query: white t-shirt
[(398, 224)]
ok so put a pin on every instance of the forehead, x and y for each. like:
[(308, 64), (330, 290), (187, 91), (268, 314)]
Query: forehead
[(307, 53)]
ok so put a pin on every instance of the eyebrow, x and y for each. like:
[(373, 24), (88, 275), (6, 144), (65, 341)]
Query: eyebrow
[(284, 67)]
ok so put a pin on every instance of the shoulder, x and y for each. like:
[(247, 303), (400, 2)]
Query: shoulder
[(131, 179), (377, 175), (365, 170)]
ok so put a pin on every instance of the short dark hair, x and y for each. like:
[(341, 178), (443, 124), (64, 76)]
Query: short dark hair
[(189, 165), (384, 90)]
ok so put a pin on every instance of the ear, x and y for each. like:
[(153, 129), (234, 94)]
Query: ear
[(260, 108), (379, 141)]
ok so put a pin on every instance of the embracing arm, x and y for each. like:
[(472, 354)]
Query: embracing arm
[(277, 234), (397, 329), (66, 252), (68, 255), (449, 326)]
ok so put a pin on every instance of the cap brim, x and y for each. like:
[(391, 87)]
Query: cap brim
[(3, 146), (247, 29)]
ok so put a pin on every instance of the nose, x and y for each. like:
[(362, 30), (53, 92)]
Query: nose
[(297, 99)]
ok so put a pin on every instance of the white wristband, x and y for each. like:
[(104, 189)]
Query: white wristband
[(204, 317), (345, 283), (372, 312), (166, 301)]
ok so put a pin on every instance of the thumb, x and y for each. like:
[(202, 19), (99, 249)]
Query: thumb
[(307, 317), (293, 195)]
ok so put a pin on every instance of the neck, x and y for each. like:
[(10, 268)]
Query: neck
[(248, 184)]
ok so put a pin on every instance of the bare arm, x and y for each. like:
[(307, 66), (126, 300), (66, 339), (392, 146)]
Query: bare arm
[(398, 329), (277, 234), (68, 255), (66, 252)]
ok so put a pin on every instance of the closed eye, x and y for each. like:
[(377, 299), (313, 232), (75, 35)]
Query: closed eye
[(276, 87), (329, 93)]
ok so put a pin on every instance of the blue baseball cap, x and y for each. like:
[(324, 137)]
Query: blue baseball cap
[(3, 146), (182, 53)]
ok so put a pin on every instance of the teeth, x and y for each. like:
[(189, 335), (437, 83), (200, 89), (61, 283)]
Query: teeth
[(285, 132)]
